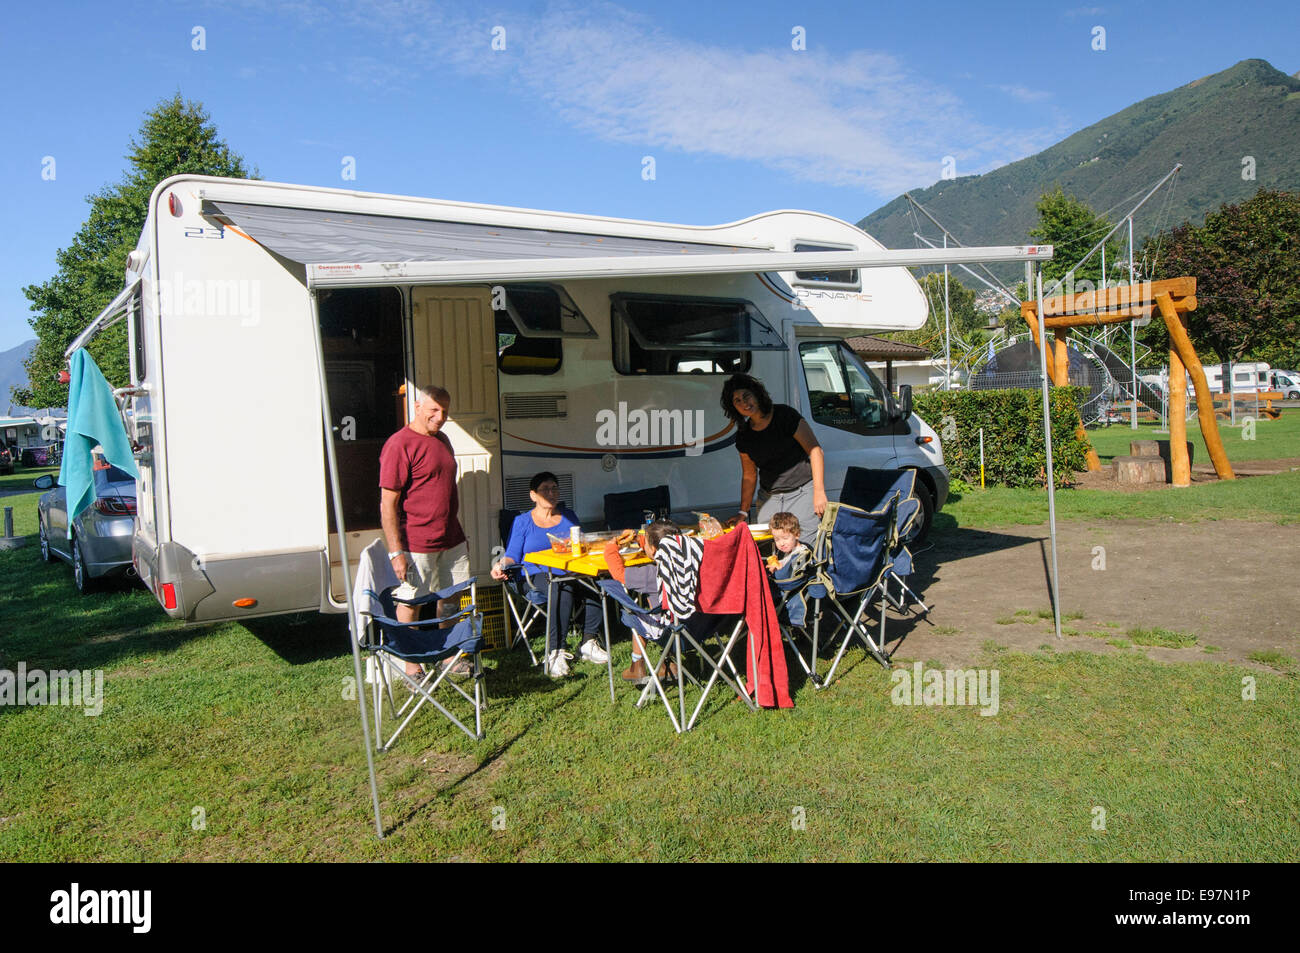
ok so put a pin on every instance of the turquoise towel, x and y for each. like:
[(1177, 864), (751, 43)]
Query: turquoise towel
[(93, 420)]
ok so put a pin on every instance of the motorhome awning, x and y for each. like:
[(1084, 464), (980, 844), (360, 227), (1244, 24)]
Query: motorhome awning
[(341, 249), (314, 236)]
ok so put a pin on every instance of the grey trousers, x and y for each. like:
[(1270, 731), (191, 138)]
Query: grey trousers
[(799, 502)]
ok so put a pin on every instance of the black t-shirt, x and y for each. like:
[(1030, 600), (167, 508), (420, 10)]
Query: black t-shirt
[(782, 463)]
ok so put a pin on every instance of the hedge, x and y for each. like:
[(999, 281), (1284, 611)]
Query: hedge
[(1014, 454)]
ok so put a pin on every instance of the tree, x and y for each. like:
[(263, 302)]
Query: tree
[(1072, 229), (1246, 261), (176, 137)]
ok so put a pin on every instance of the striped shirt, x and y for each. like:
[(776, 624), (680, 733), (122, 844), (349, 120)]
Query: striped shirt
[(677, 560)]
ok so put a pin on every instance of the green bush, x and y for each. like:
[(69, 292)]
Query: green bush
[(1014, 454)]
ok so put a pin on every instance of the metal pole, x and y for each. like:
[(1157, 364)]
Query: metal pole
[(1047, 440), (1132, 337), (947, 234), (1232, 394), (1101, 244), (981, 458), (947, 341), (341, 529)]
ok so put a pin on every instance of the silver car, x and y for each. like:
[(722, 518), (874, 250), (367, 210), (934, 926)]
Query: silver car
[(101, 536)]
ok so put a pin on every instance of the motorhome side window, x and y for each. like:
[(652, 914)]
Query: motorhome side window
[(842, 393), (137, 332), (531, 323), (834, 279), (670, 334)]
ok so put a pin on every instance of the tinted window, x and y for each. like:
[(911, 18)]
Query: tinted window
[(540, 311), (842, 392), (666, 334), (848, 277)]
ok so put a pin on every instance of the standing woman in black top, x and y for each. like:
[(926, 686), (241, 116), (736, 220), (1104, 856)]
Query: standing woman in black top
[(778, 453)]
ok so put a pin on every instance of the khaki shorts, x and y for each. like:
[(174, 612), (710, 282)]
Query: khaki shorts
[(431, 572)]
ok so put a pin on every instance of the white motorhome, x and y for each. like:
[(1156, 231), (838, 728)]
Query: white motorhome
[(593, 347)]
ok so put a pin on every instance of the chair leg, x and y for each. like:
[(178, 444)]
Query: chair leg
[(718, 672), (654, 682)]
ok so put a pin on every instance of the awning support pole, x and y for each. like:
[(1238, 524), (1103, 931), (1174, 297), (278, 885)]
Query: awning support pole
[(1047, 440), (327, 419)]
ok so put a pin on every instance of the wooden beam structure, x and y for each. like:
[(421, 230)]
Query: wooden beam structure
[(1182, 344), (1172, 298)]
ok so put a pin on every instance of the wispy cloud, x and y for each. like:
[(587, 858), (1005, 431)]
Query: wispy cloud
[(1024, 94), (862, 119), (1084, 12)]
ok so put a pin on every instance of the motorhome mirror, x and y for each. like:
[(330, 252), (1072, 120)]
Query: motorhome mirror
[(904, 403)]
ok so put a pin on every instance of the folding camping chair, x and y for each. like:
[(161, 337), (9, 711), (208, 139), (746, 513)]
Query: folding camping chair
[(389, 644), (795, 593), (627, 510), (672, 633), (527, 606), (869, 490), (851, 557), (525, 601)]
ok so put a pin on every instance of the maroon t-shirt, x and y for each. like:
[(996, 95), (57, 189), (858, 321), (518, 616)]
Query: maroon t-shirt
[(423, 469)]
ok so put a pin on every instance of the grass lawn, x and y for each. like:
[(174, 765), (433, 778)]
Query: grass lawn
[(243, 732), (22, 477), (1273, 498), (236, 742), (1271, 438)]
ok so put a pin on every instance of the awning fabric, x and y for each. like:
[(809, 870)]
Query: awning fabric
[(316, 236)]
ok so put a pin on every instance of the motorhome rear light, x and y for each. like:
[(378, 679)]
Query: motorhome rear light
[(64, 377), (169, 595), (244, 603), (174, 204), (923, 440)]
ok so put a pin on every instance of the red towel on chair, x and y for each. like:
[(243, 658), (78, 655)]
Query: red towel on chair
[(732, 581)]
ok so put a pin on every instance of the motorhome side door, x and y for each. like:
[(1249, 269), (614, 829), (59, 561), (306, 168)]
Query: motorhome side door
[(455, 345)]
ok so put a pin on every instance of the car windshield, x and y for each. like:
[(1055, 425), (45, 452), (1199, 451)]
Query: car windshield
[(112, 474)]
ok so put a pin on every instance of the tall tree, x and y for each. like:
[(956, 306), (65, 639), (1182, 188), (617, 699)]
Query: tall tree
[(1073, 229), (1246, 261), (176, 137)]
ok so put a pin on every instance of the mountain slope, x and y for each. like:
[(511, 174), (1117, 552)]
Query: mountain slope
[(1209, 125)]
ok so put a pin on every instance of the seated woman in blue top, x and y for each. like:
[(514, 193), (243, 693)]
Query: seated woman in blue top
[(530, 534)]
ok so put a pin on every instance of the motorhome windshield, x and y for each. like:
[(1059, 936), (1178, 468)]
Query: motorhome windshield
[(842, 391)]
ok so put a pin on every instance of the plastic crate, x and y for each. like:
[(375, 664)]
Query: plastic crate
[(491, 603)]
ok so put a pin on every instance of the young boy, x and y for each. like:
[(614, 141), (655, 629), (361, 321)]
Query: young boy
[(790, 561)]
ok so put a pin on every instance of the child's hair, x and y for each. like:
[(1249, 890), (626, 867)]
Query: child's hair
[(786, 521), (657, 530)]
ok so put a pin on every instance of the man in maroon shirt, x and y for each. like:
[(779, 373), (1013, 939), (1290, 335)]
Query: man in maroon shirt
[(418, 509)]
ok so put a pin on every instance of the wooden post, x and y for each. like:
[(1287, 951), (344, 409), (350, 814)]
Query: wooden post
[(1179, 464), (1059, 375), (1062, 358), (1204, 399)]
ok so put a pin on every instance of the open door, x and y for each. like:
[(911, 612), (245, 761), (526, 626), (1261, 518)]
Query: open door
[(455, 345)]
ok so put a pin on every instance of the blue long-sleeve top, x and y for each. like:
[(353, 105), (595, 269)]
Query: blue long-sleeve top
[(527, 537)]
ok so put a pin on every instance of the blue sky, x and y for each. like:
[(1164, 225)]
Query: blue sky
[(737, 120)]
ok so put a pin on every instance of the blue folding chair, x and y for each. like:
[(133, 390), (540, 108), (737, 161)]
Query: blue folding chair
[(391, 643), (851, 557), (794, 595), (870, 490)]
